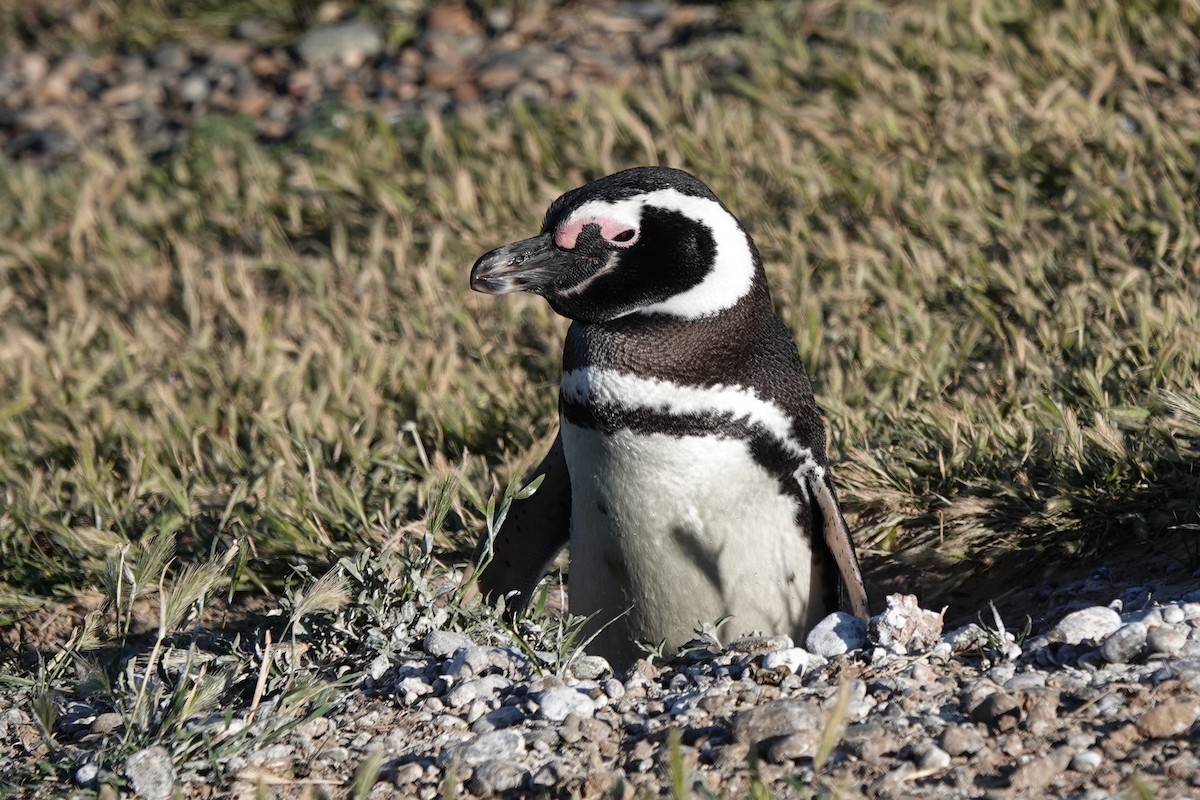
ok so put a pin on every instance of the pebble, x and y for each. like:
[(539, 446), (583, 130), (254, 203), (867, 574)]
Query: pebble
[(351, 41), (490, 746), (776, 718), (498, 777), (962, 740), (905, 627), (151, 773), (443, 644), (87, 773), (556, 703), (795, 660), (1086, 760), (1172, 718), (837, 634), (1166, 640), (1125, 643), (1088, 624), (932, 757)]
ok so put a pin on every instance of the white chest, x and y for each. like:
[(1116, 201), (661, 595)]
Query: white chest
[(672, 532)]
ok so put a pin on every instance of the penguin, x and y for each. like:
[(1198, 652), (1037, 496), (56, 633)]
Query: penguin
[(689, 475)]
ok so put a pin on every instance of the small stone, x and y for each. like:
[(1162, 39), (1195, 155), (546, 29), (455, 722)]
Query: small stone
[(1125, 643), (590, 668), (999, 711), (407, 774), (151, 773), (962, 740), (505, 745), (1088, 624), (931, 757), (171, 57), (904, 627), (796, 660), (760, 645), (1034, 775), (86, 775), (1172, 614), (107, 723), (1172, 718), (556, 703), (498, 777), (793, 747), (1117, 744), (1086, 760), (193, 89), (379, 666), (775, 718), (259, 30), (837, 634), (349, 42), (1166, 640)]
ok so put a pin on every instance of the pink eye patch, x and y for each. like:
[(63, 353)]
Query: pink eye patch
[(615, 232)]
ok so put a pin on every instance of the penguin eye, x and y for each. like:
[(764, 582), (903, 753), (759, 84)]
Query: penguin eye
[(622, 237)]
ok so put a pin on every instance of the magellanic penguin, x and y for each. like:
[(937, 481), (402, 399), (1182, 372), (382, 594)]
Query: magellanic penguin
[(689, 474)]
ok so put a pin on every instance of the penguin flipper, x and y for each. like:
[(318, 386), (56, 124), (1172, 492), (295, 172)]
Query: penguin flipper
[(837, 538), (534, 531)]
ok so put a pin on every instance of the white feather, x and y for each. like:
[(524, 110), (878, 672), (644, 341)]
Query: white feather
[(732, 273)]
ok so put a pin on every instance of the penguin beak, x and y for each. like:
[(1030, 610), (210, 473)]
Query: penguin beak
[(526, 266)]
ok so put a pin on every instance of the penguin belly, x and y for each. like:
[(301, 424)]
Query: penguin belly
[(671, 532)]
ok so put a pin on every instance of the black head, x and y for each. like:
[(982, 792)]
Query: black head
[(650, 240)]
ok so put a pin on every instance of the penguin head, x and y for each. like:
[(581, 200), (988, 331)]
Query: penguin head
[(648, 240)]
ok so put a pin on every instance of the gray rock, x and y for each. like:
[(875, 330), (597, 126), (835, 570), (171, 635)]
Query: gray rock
[(776, 718), (1166, 640), (1086, 760), (406, 774), (837, 634), (171, 57), (259, 30), (960, 740), (498, 777), (151, 773), (904, 627), (86, 775), (793, 746), (443, 644), (1125, 643), (797, 660), (503, 717), (379, 666), (932, 757), (590, 668), (503, 745), (556, 703), (1088, 624), (193, 89), (341, 41)]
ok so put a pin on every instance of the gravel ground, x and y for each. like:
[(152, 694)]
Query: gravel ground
[(49, 105), (1104, 703)]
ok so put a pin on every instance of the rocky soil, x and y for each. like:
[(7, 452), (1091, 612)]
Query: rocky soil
[(519, 53), (1102, 704)]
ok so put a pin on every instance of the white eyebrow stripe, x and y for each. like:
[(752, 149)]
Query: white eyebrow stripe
[(732, 273), (598, 386)]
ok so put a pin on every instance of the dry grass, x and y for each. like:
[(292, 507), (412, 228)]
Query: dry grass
[(980, 221)]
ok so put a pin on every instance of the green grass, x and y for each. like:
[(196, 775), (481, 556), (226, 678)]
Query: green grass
[(980, 220)]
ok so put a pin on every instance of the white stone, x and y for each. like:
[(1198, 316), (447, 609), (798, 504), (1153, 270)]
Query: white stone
[(555, 704), (837, 634)]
